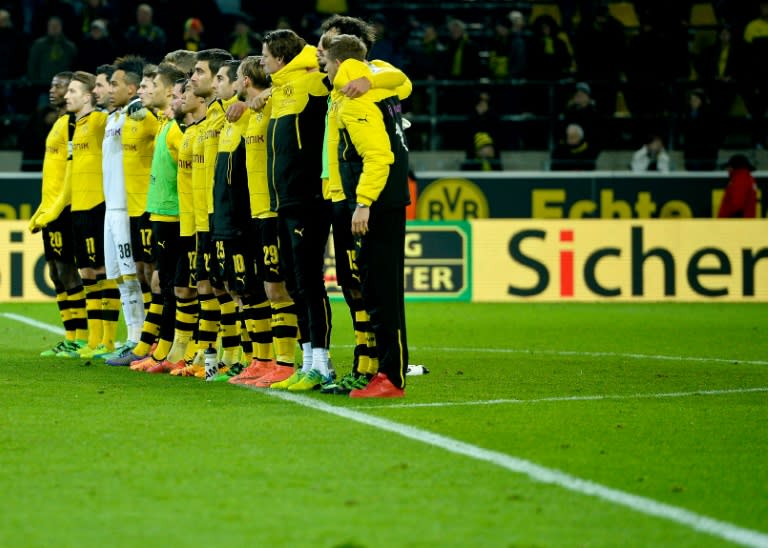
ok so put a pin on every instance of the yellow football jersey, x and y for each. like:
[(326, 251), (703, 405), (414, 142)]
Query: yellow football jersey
[(199, 174), (256, 162), (214, 122), (55, 161), (138, 146), (184, 182), (86, 174)]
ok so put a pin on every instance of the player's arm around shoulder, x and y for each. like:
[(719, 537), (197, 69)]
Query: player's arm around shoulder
[(386, 76)]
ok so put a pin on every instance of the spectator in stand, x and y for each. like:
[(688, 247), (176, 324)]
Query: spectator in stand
[(740, 198), (462, 56), (651, 156), (423, 57), (425, 54), (548, 55), (461, 61), (720, 68), (484, 155), (96, 49), (51, 54), (193, 35), (36, 19), (243, 41), (574, 153), (582, 111), (498, 59), (601, 52), (483, 118), (756, 77), (518, 45), (145, 39), (94, 10), (701, 136), (13, 54)]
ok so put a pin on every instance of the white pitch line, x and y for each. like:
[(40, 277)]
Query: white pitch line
[(598, 397), (541, 474), (34, 323), (634, 356)]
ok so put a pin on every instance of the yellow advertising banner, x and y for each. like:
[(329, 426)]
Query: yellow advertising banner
[(623, 260), (23, 274)]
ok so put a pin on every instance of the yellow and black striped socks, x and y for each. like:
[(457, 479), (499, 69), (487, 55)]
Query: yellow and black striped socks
[(93, 311), (245, 341), (146, 293), (65, 313), (230, 328), (110, 311), (285, 332), (151, 327), (208, 322), (77, 312), (362, 327), (258, 322), (186, 322), (373, 356), (167, 325)]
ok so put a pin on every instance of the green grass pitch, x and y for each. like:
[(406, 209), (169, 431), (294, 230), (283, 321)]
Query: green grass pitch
[(539, 425)]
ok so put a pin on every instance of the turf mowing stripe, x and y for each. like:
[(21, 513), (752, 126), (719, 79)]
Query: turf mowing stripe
[(34, 323), (541, 474), (59, 330), (582, 398)]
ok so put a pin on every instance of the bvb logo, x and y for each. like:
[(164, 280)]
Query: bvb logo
[(452, 200), (288, 91)]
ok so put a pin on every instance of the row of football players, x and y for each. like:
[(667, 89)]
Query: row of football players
[(233, 175)]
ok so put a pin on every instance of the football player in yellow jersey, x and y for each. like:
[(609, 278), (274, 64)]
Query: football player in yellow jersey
[(190, 153), (230, 232), (83, 189), (294, 163), (210, 291), (229, 219), (251, 83), (57, 236)]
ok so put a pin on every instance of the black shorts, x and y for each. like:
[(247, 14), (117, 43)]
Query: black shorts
[(203, 256), (58, 239), (344, 248), (167, 249), (186, 275), (88, 234), (267, 249), (141, 239), (235, 266), (305, 229)]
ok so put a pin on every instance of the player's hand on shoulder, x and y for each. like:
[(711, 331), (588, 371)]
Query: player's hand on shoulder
[(136, 110), (236, 111), (356, 88), (258, 102)]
